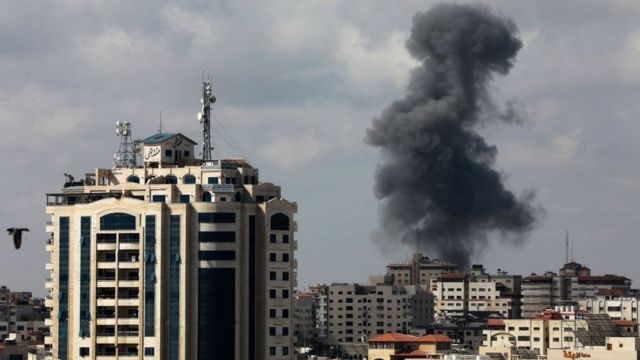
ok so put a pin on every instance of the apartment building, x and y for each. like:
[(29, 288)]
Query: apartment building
[(418, 271), (357, 312), (173, 258), (320, 293), (457, 294), (304, 318), (613, 303), (573, 282), (562, 328), (22, 318)]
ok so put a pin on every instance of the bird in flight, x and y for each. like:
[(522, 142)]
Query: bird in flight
[(17, 235)]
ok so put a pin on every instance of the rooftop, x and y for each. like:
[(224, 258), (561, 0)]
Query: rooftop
[(395, 338), (162, 137)]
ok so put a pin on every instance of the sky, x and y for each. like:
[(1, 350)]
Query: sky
[(298, 84)]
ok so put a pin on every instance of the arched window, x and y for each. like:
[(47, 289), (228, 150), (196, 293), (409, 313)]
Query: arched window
[(118, 221), (279, 221), (170, 179), (254, 180), (206, 196), (150, 177), (133, 179), (189, 179), (238, 197)]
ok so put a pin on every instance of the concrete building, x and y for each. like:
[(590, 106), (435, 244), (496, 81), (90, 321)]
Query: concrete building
[(395, 346), (573, 282), (613, 303), (172, 259), (418, 271), (320, 292), (563, 328), (457, 294), (304, 318), (614, 348), (357, 312)]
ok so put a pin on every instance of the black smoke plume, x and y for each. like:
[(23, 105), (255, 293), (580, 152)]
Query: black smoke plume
[(436, 180)]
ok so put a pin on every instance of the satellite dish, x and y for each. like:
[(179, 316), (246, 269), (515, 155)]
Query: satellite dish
[(213, 99), (118, 123)]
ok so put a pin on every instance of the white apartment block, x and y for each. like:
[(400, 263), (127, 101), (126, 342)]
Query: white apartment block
[(173, 259), (358, 312), (418, 271), (457, 294), (613, 304), (563, 328)]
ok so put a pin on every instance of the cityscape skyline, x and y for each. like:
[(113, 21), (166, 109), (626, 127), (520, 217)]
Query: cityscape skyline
[(303, 122)]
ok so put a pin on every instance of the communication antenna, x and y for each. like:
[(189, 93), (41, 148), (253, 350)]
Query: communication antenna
[(125, 157), (205, 118), (160, 127), (566, 249)]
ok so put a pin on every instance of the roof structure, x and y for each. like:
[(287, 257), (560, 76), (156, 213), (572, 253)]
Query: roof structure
[(162, 137), (395, 338)]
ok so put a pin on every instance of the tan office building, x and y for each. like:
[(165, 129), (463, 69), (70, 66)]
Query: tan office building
[(172, 259)]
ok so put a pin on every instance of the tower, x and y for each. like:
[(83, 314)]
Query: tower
[(205, 119), (172, 260), (125, 157)]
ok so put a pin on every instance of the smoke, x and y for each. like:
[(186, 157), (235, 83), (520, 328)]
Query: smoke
[(436, 180)]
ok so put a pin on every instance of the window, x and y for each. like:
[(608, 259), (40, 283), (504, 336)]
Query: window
[(206, 196), (285, 331), (279, 221), (212, 180), (217, 255), (272, 238), (118, 221), (272, 313), (285, 350), (272, 350), (187, 153), (285, 257), (184, 199), (272, 275), (285, 294), (272, 331), (170, 179), (168, 152), (217, 217), (285, 313), (84, 351), (189, 179), (285, 276), (272, 293), (158, 198), (217, 236), (133, 179), (272, 257), (285, 239), (149, 351)]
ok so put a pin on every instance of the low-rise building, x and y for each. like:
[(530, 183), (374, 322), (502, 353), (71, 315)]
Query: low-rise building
[(613, 303), (395, 346), (615, 348), (563, 328)]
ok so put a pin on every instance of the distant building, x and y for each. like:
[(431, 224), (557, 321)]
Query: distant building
[(613, 303), (395, 346), (357, 312), (22, 318), (563, 328), (614, 348), (456, 294), (320, 292), (573, 282), (418, 271), (304, 319)]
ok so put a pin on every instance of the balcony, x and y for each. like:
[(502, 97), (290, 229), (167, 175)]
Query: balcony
[(66, 199)]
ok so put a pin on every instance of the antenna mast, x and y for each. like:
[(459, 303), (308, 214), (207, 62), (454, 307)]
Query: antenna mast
[(205, 118), (125, 157), (566, 250)]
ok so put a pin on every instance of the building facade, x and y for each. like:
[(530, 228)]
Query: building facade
[(418, 271), (457, 294), (172, 259), (572, 283)]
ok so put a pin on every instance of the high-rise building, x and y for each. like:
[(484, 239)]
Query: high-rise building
[(173, 258)]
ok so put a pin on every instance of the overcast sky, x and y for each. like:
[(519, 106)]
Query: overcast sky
[(297, 83)]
